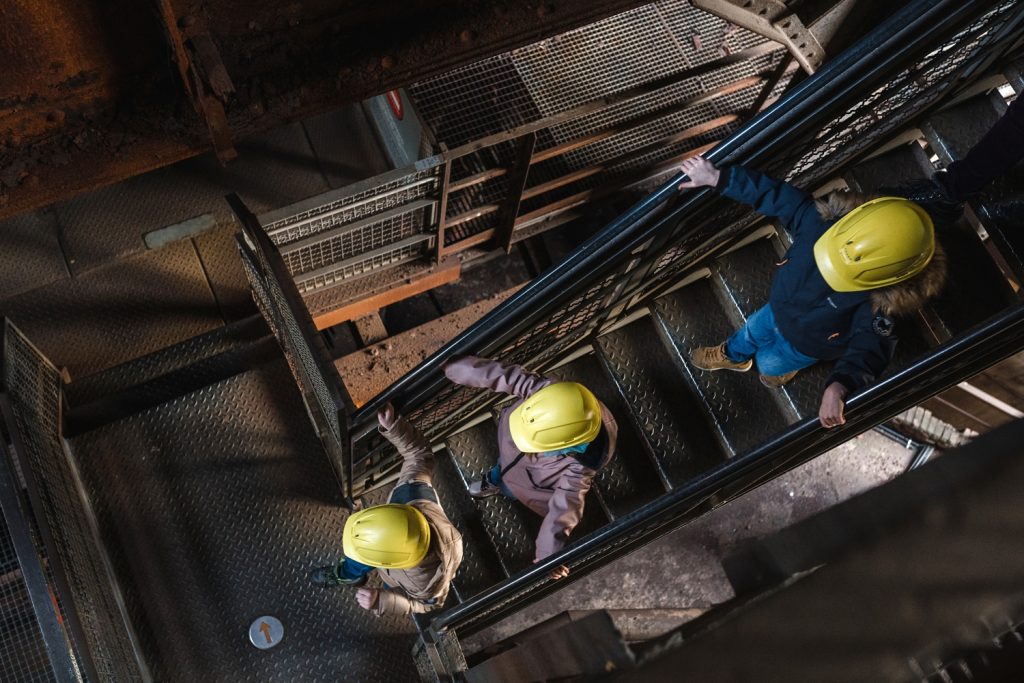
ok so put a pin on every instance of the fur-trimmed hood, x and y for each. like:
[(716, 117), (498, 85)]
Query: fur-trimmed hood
[(908, 296)]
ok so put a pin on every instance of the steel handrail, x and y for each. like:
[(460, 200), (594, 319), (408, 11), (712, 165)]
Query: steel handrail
[(865, 65), (943, 367), (819, 97)]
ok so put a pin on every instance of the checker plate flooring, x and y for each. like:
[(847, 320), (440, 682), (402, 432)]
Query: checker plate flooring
[(214, 507)]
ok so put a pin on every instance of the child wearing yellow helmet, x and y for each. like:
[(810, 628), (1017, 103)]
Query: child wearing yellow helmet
[(409, 540), (551, 443), (854, 262)]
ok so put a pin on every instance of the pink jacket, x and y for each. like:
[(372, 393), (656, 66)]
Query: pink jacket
[(552, 486)]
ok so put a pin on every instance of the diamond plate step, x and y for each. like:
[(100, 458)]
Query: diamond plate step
[(952, 132), (745, 277), (662, 407), (481, 567), (213, 509), (140, 370), (512, 527), (1001, 210), (742, 410), (899, 166), (631, 478), (746, 274), (975, 289)]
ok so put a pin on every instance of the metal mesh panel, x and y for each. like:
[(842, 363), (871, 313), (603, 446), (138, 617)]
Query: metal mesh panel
[(22, 650), (322, 402), (390, 229), (616, 55), (814, 158), (891, 105), (35, 387), (405, 250), (345, 206), (358, 221), (610, 55)]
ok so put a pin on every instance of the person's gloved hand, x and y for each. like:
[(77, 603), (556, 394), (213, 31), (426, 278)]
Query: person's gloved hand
[(701, 171), (367, 597), (387, 417)]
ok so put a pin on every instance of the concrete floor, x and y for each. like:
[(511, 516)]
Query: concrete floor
[(680, 575)]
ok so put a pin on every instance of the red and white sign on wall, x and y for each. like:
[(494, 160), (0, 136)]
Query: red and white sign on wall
[(394, 99)]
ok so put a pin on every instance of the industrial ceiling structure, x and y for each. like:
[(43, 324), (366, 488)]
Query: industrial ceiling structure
[(232, 232)]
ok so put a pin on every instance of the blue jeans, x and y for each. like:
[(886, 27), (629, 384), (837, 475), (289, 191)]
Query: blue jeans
[(760, 339), (406, 493), (494, 476)]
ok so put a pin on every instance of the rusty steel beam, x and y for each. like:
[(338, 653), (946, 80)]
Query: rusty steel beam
[(94, 91)]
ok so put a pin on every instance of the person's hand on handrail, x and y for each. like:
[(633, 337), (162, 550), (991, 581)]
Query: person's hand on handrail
[(701, 171)]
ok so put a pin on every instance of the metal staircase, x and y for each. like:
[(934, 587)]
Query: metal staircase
[(183, 494)]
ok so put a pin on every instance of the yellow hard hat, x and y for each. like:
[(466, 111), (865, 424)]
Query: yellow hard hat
[(880, 243), (558, 416), (391, 536)]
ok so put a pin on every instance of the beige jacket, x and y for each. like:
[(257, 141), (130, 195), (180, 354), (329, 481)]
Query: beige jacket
[(552, 486), (430, 579)]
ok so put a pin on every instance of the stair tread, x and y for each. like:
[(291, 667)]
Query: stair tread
[(744, 414), (512, 527), (747, 274), (481, 567), (952, 132), (896, 167), (975, 288), (666, 412), (630, 479)]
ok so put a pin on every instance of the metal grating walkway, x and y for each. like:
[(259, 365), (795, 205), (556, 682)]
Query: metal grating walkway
[(214, 507)]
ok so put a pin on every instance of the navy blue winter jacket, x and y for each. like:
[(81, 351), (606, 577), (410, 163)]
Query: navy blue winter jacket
[(814, 318)]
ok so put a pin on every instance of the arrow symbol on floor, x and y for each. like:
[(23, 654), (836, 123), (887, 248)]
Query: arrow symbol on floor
[(265, 628)]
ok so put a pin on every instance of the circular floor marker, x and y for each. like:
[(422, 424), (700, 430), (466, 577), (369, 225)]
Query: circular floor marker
[(266, 632)]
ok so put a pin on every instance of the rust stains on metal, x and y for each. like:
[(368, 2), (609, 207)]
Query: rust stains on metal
[(110, 66), (369, 371)]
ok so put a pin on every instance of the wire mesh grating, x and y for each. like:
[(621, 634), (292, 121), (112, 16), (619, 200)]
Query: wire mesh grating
[(811, 159), (22, 650), (321, 393), (35, 388)]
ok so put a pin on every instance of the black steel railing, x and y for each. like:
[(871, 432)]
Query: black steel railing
[(898, 71), (281, 306), (945, 366), (923, 53), (90, 610)]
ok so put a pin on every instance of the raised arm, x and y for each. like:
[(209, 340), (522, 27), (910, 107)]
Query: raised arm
[(769, 197), (417, 458), (484, 373)]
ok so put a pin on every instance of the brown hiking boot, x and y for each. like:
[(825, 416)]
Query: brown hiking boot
[(714, 358), (777, 381)]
